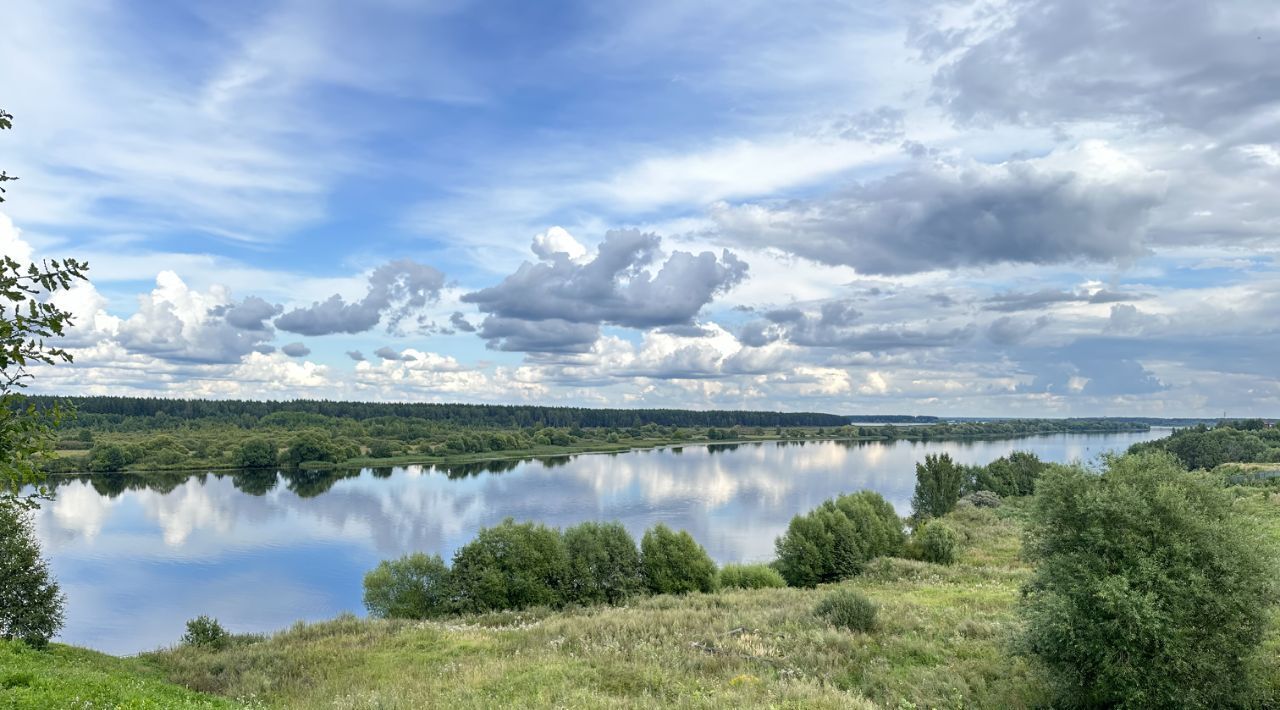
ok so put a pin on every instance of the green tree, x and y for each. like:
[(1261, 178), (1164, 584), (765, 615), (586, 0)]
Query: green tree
[(938, 484), (511, 566), (1149, 590), (108, 458), (415, 586), (28, 320), (256, 453), (311, 446), (936, 542), (674, 563), (835, 540), (30, 601), (604, 564)]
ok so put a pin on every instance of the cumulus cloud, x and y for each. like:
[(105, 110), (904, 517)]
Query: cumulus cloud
[(396, 290), (837, 324), (1196, 64), (176, 322), (1090, 203), (388, 353), (250, 314), (296, 350), (460, 322), (558, 304), (356, 355)]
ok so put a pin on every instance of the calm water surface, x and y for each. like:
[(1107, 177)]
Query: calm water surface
[(139, 555)]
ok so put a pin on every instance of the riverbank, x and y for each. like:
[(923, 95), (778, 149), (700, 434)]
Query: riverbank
[(943, 640), (551, 451)]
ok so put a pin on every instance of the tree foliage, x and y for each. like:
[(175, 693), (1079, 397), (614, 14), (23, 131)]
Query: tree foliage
[(511, 566), (604, 564), (28, 322), (416, 586), (936, 542), (835, 540), (939, 481), (1148, 591), (30, 601), (674, 563), (257, 453)]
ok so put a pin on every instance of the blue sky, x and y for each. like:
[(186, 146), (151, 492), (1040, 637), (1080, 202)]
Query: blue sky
[(987, 208)]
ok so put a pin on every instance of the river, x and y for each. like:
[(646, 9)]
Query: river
[(138, 555)]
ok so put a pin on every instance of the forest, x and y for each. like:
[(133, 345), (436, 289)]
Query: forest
[(114, 434)]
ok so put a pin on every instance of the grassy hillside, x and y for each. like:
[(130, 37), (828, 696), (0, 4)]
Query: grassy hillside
[(943, 641), (942, 638), (68, 677)]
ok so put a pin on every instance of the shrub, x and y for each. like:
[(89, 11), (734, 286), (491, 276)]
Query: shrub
[(755, 576), (849, 609), (510, 566), (1148, 590), (30, 601), (311, 446), (936, 543), (604, 564), (1012, 475), (674, 563), (834, 540), (415, 586), (107, 458), (256, 453), (983, 499), (206, 632), (938, 484)]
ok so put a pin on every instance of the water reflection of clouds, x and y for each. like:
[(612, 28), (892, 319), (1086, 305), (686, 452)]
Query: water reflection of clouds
[(205, 545)]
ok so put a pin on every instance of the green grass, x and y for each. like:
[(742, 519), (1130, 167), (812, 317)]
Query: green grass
[(68, 677), (942, 640)]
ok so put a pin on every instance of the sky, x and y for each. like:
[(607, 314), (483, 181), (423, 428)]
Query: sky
[(1007, 208)]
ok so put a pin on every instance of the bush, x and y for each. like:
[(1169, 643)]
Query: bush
[(30, 601), (834, 540), (415, 586), (982, 499), (511, 566), (938, 484), (107, 458), (674, 563), (756, 576), (604, 564), (1012, 475), (1148, 589), (311, 446), (937, 543), (256, 453), (849, 609), (206, 632)]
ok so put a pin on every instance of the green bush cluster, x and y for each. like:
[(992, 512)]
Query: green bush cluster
[(848, 609), (674, 563), (518, 565), (753, 576), (1012, 475), (935, 542), (837, 538), (1149, 590), (1202, 447), (206, 632)]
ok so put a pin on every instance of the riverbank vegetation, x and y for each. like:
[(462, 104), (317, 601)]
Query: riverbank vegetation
[(898, 632), (115, 434)]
